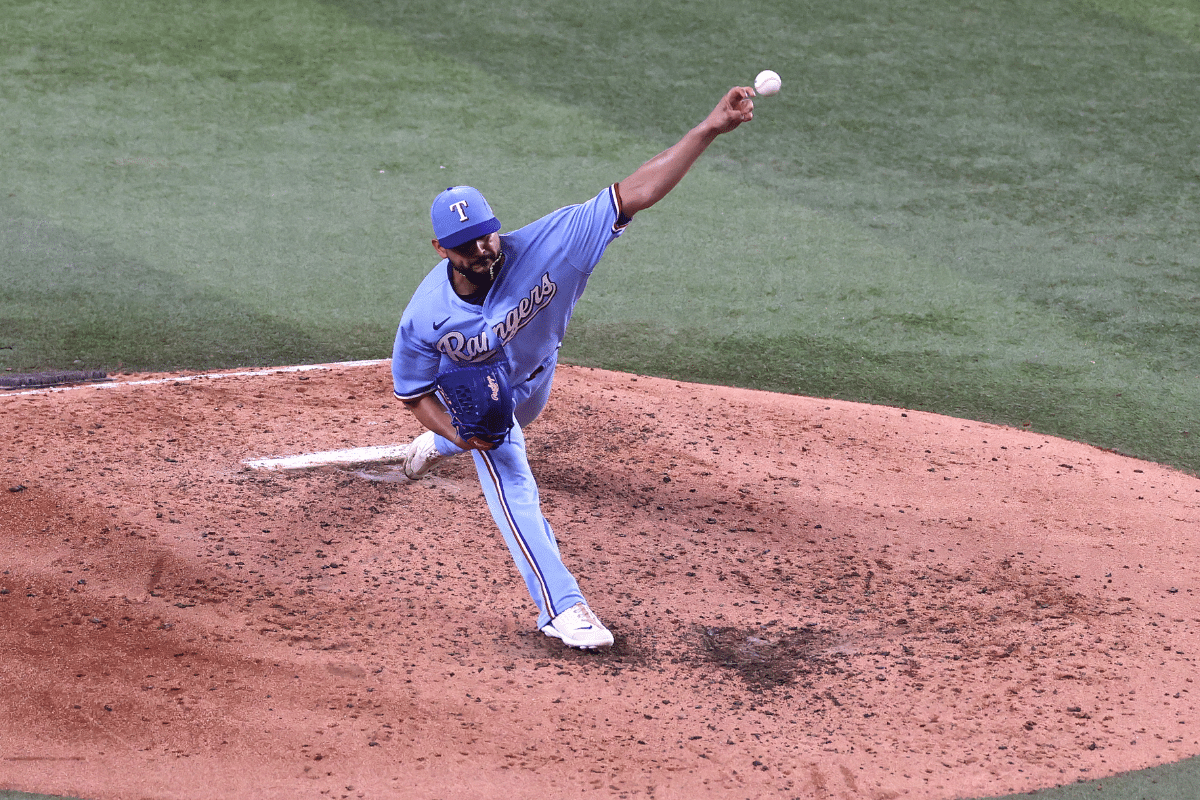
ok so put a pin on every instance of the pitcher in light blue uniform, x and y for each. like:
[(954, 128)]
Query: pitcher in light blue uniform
[(509, 297)]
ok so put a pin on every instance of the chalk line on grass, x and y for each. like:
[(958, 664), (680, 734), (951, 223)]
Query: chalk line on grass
[(258, 373)]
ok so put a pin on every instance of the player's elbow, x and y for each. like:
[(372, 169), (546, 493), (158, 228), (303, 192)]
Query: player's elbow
[(635, 196)]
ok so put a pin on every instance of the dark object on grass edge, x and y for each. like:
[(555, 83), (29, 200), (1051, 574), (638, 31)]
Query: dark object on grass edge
[(57, 378)]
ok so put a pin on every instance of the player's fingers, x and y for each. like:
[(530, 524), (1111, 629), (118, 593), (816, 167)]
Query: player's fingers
[(740, 94), (741, 97), (746, 108), (735, 108)]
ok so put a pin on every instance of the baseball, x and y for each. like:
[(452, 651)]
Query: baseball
[(767, 83)]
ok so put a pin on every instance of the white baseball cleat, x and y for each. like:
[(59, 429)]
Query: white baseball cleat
[(579, 627), (422, 456)]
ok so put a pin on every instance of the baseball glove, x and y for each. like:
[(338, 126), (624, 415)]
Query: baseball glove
[(479, 400)]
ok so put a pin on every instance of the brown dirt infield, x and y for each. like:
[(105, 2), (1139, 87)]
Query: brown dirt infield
[(811, 599)]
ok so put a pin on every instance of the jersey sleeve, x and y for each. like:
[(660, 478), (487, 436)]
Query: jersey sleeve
[(414, 363), (590, 227), (415, 357)]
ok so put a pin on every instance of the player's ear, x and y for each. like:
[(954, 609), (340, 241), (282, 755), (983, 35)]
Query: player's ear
[(441, 251)]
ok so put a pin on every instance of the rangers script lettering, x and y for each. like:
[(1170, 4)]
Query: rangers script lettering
[(517, 318), (464, 350), (479, 348)]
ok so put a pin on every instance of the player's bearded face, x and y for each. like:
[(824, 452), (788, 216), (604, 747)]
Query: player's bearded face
[(478, 259)]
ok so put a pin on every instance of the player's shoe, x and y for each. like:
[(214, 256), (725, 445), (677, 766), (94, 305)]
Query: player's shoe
[(422, 456), (579, 627)]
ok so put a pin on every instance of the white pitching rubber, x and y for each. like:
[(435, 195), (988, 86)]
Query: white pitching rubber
[(355, 455)]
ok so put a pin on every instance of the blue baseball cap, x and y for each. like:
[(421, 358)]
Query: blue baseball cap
[(459, 215)]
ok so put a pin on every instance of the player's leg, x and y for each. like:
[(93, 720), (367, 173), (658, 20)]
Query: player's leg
[(512, 497)]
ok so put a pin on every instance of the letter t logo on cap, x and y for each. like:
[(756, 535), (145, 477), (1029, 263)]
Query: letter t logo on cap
[(461, 214)]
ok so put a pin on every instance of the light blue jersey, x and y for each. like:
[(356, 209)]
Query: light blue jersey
[(523, 318), (546, 267)]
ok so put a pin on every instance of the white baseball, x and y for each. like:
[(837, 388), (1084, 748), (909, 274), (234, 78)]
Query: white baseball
[(767, 83)]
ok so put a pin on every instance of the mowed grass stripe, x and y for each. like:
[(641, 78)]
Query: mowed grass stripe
[(1178, 18), (261, 165)]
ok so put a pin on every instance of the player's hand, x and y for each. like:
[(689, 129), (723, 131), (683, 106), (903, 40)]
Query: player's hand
[(735, 108), (650, 182)]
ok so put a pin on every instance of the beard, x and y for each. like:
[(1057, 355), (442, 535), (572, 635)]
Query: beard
[(479, 279)]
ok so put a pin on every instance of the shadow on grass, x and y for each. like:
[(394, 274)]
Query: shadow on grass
[(67, 302)]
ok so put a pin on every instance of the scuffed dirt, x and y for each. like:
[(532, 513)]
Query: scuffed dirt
[(810, 599)]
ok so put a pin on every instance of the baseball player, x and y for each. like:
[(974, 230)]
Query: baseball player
[(507, 298)]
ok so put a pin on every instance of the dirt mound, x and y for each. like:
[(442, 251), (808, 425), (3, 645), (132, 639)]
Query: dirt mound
[(810, 598)]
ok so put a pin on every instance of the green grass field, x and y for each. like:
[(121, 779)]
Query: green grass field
[(987, 210), (984, 210)]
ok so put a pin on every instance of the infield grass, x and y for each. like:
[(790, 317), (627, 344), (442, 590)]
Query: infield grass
[(984, 210)]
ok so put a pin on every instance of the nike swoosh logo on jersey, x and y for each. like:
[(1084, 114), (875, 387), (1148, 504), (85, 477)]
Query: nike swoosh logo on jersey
[(438, 325)]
